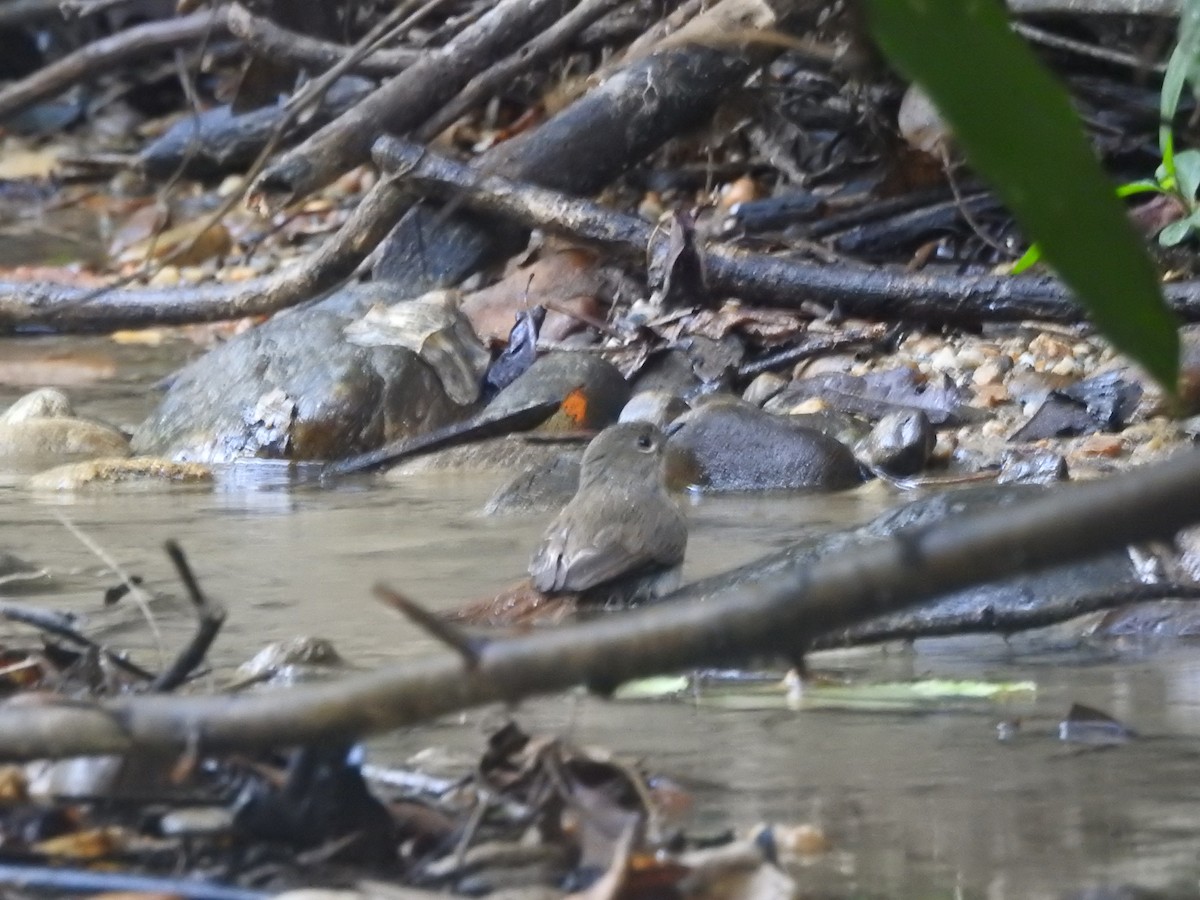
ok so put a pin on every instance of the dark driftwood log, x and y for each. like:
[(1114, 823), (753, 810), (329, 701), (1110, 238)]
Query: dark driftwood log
[(579, 150), (405, 101), (755, 277), (780, 614), (139, 42), (550, 42), (216, 141), (264, 38)]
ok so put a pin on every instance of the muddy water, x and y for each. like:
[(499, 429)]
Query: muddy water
[(916, 805)]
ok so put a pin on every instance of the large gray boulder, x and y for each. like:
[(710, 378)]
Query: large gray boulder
[(297, 387)]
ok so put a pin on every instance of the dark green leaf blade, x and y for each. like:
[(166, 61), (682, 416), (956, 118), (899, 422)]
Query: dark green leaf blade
[(1019, 131)]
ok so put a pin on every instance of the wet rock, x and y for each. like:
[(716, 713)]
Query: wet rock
[(656, 407), (736, 447), (714, 361), (1160, 619), (1032, 467), (598, 391), (18, 574), (297, 388), (1103, 402), (44, 403), (293, 661), (433, 328), (839, 426), (139, 470), (540, 487), (669, 371), (41, 429), (502, 454), (900, 443)]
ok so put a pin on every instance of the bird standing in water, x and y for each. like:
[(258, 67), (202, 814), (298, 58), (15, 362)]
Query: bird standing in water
[(621, 538)]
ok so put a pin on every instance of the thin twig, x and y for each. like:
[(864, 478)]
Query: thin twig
[(211, 615), (465, 645), (140, 597), (61, 626)]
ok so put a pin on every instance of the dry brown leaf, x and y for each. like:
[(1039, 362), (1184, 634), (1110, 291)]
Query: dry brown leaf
[(571, 280)]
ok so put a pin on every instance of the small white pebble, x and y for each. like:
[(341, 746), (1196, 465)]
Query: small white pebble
[(971, 356), (167, 276), (1065, 366), (944, 360), (988, 373)]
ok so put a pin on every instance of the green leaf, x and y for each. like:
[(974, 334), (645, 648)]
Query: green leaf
[(1187, 173), (1164, 175), (1139, 187), (1027, 261), (1182, 66), (1177, 231), (1019, 131)]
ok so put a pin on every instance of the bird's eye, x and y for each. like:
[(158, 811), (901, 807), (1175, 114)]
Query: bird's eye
[(645, 442)]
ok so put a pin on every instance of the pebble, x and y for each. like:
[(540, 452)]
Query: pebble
[(1049, 347), (167, 276), (991, 371), (808, 407), (763, 388), (900, 443), (1065, 366), (990, 396), (1108, 446), (945, 360)]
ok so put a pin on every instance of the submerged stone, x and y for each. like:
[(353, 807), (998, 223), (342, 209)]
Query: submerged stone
[(41, 429), (139, 470)]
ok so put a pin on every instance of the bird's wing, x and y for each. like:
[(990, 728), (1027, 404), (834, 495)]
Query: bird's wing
[(611, 553), (547, 567), (572, 559)]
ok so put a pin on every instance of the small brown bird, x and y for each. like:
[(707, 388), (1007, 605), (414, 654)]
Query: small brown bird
[(621, 537)]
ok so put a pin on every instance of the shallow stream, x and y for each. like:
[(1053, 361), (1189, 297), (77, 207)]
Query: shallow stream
[(928, 804)]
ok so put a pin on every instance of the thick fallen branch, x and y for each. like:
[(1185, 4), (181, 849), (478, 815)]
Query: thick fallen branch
[(264, 38), (780, 613), (554, 39), (756, 277), (102, 56), (217, 141), (404, 102), (26, 305)]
